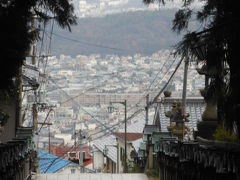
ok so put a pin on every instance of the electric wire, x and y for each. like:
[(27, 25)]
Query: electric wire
[(88, 44), (140, 110), (42, 39), (44, 121), (148, 89), (112, 128), (49, 46), (165, 73), (133, 106), (107, 128), (161, 91), (72, 99), (78, 105), (113, 73)]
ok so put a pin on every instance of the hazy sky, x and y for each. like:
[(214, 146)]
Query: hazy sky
[(134, 4)]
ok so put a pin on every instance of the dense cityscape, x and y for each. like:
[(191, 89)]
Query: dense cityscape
[(139, 90), (82, 88)]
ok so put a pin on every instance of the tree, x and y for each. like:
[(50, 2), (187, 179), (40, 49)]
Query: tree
[(216, 46), (16, 33)]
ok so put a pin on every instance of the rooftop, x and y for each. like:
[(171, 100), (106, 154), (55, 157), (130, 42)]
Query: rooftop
[(194, 106), (51, 164), (130, 136)]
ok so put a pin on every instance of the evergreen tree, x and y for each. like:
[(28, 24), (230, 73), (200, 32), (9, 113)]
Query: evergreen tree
[(16, 33), (215, 45)]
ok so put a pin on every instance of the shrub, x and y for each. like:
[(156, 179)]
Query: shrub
[(222, 134)]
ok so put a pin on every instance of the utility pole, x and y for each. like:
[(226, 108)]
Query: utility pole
[(184, 93), (118, 157), (49, 141), (19, 98), (125, 137), (75, 137), (125, 130), (80, 151), (33, 55), (147, 108), (49, 134), (34, 50)]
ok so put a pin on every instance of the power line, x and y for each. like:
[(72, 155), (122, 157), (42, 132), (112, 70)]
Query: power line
[(88, 44), (110, 128), (137, 112), (121, 122), (100, 75), (45, 120), (61, 157), (160, 92), (106, 128), (165, 73), (87, 89), (42, 39), (78, 105), (140, 110), (149, 87), (49, 46), (58, 158)]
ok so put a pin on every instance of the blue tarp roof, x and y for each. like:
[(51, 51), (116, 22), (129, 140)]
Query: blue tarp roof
[(50, 164)]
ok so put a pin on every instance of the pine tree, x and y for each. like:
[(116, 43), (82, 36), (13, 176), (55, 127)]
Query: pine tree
[(16, 33), (215, 45)]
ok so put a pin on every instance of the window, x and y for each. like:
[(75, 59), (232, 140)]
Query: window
[(73, 171)]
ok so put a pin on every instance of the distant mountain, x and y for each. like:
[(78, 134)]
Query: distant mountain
[(142, 32)]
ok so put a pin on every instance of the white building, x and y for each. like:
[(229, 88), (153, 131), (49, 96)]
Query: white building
[(67, 138)]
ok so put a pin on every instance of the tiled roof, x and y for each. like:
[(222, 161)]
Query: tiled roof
[(130, 136), (50, 164), (138, 125), (194, 106), (149, 129), (112, 150)]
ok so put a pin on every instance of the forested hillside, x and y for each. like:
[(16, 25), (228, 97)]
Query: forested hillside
[(142, 32)]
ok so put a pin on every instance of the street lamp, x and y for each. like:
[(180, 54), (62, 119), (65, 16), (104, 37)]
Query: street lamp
[(105, 152), (110, 108)]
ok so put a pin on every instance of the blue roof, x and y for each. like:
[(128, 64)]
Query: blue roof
[(50, 164)]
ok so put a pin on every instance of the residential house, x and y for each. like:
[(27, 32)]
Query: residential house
[(102, 161), (17, 153), (54, 164), (72, 154), (108, 155)]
